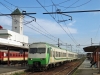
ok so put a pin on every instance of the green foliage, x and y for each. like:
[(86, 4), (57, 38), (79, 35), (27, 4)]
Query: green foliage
[(18, 73)]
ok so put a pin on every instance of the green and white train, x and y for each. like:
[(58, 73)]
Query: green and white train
[(42, 55)]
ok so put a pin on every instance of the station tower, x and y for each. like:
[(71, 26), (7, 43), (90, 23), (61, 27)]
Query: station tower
[(17, 21)]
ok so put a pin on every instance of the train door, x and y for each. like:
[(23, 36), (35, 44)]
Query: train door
[(48, 55)]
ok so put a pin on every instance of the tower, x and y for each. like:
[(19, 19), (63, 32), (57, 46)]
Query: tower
[(17, 21)]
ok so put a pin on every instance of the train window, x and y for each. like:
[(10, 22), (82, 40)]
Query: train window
[(10, 54), (18, 54), (53, 53), (70, 55), (59, 54), (7, 54), (37, 50), (56, 54), (33, 50), (2, 54), (41, 50)]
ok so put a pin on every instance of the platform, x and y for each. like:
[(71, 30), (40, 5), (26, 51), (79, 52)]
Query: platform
[(7, 70), (85, 69)]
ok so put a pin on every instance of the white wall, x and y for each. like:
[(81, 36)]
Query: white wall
[(13, 37)]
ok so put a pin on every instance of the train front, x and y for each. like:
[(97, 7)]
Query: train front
[(37, 56)]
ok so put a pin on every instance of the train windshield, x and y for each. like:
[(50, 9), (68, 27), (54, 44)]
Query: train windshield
[(37, 50)]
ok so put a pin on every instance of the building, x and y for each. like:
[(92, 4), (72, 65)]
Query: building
[(14, 37)]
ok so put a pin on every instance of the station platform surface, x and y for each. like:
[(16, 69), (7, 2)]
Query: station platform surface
[(85, 69), (7, 70)]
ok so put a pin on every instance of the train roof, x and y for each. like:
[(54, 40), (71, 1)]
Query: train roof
[(50, 45), (45, 43)]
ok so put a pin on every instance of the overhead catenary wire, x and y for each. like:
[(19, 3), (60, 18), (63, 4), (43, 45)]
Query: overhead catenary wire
[(32, 25), (51, 5), (56, 21), (42, 33), (97, 32), (35, 7), (77, 5), (65, 23), (59, 4), (72, 4), (35, 21), (5, 6), (73, 11), (69, 31), (35, 30)]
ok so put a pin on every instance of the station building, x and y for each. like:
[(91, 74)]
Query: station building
[(14, 40), (94, 53)]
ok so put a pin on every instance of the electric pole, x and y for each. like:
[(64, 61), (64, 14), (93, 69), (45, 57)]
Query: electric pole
[(91, 41), (58, 42), (71, 46)]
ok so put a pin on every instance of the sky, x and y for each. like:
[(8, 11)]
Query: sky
[(73, 34)]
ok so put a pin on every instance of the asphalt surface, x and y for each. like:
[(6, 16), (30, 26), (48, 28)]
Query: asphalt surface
[(6, 68)]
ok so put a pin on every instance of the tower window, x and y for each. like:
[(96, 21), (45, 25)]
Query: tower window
[(21, 28), (15, 27)]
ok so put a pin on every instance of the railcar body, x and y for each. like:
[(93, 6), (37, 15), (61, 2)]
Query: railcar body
[(42, 55), (14, 57)]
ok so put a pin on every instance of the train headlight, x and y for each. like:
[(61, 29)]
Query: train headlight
[(31, 58)]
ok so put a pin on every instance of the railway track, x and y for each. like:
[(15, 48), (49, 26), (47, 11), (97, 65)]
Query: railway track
[(65, 69)]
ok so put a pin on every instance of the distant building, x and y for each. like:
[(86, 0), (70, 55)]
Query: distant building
[(17, 21), (14, 37)]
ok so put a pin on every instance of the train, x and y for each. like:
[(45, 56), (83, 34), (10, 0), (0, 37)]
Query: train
[(42, 55), (15, 57)]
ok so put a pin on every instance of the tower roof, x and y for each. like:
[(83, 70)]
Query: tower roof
[(16, 12)]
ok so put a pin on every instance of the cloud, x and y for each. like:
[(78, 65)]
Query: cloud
[(72, 23), (52, 27), (5, 21), (96, 13), (43, 26)]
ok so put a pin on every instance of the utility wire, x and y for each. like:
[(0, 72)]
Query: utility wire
[(97, 32), (31, 24), (46, 30), (5, 6), (59, 4), (41, 33), (73, 11), (35, 30), (36, 7), (69, 31), (35, 21), (77, 5), (65, 24), (55, 20), (72, 4)]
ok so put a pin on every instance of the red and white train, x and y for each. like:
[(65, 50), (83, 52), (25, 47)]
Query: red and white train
[(14, 57)]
